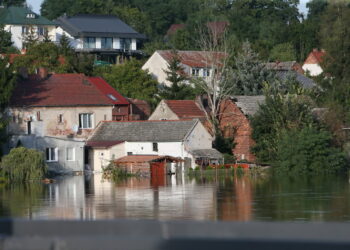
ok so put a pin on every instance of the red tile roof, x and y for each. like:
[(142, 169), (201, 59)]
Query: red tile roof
[(175, 27), (65, 90), (195, 59), (315, 57), (102, 144), (185, 109)]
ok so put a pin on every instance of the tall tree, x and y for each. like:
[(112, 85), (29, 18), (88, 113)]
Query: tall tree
[(178, 89), (13, 2), (5, 39), (250, 73), (7, 82)]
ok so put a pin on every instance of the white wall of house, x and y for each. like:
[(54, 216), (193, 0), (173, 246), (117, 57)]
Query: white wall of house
[(163, 112), (17, 37), (199, 138), (156, 65), (313, 69), (74, 42), (101, 157)]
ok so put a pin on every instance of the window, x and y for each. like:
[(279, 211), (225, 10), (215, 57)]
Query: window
[(89, 42), (206, 72), (155, 146), (29, 127), (60, 118), (85, 121), (112, 97), (51, 154), (70, 154), (129, 153), (42, 31), (25, 29), (106, 42), (30, 15), (195, 71), (38, 116), (125, 43)]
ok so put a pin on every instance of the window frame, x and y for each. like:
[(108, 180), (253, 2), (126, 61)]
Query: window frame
[(48, 154), (87, 42), (82, 123), (103, 43)]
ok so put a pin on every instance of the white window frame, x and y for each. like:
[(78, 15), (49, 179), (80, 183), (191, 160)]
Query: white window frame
[(81, 120), (73, 154), (50, 155)]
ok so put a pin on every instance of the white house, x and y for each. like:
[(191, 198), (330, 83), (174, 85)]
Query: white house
[(20, 21), (105, 36), (194, 63), (185, 139), (312, 64)]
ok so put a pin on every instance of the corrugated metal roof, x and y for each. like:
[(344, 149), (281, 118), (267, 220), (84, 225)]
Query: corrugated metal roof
[(97, 25), (143, 131)]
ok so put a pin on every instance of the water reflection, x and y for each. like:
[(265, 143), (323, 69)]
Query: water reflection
[(234, 198)]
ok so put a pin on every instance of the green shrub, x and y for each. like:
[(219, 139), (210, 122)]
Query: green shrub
[(307, 150), (229, 158), (23, 164)]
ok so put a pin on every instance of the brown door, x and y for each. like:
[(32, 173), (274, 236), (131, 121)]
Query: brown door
[(158, 174)]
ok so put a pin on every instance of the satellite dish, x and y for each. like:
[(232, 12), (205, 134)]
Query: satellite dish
[(75, 128)]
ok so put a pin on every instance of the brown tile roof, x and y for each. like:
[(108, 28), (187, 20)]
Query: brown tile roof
[(315, 57), (145, 158), (195, 59), (65, 90), (185, 109)]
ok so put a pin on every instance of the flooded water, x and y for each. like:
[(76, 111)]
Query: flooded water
[(227, 198)]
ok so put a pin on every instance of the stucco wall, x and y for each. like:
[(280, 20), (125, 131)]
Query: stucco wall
[(199, 138), (163, 112), (100, 158), (156, 66), (49, 124)]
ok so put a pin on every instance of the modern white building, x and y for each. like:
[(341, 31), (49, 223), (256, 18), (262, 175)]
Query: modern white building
[(105, 36), (194, 64), (21, 21), (185, 139)]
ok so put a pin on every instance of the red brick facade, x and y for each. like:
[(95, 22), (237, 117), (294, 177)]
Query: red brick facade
[(233, 123)]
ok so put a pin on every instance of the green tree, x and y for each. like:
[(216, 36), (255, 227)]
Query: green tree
[(23, 164), (286, 107), (250, 73), (7, 82), (130, 80), (30, 38), (5, 39), (307, 150), (13, 2), (283, 52), (178, 89)]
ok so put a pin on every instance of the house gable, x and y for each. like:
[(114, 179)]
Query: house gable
[(163, 112)]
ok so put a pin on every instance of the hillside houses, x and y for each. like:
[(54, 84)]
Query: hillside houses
[(200, 64)]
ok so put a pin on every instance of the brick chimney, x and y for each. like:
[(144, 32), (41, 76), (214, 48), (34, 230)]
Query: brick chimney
[(43, 72)]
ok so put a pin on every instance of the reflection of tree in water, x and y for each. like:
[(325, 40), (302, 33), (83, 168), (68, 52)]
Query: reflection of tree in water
[(318, 198), (19, 200)]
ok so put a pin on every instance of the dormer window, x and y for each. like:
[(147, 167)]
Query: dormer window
[(30, 15)]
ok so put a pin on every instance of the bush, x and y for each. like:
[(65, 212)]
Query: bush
[(23, 164), (228, 158), (308, 150)]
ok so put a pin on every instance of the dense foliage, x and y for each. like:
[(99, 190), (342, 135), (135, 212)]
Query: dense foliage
[(307, 150), (7, 82), (130, 80), (23, 164)]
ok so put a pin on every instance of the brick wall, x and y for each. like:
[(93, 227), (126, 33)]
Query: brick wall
[(234, 123)]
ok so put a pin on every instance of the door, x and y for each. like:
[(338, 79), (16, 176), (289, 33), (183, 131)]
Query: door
[(158, 174)]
